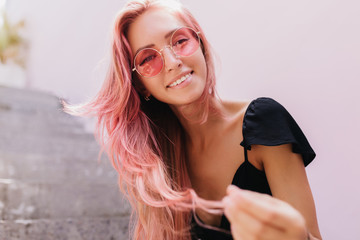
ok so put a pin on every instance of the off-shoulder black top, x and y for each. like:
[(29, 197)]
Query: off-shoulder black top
[(266, 122)]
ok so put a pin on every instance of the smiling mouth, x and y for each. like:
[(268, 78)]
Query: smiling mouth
[(180, 80)]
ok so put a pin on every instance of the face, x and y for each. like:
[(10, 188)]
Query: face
[(153, 29)]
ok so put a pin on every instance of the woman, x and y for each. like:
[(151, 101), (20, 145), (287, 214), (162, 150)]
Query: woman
[(176, 146)]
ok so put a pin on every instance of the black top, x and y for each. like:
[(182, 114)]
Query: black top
[(266, 122)]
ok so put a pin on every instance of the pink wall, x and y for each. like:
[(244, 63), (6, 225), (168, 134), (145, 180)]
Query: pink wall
[(305, 54)]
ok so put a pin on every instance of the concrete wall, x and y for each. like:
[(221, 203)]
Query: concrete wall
[(305, 54)]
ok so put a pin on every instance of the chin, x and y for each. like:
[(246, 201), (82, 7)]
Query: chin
[(191, 98)]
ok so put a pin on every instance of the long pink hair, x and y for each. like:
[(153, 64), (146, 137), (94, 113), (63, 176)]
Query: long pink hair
[(144, 140)]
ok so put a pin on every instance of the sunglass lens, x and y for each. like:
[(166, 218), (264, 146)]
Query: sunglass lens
[(185, 41), (148, 62)]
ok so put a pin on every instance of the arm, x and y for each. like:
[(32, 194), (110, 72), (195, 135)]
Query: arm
[(289, 215), (287, 178)]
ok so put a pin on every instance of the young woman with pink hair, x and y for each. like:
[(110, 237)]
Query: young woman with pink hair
[(193, 166)]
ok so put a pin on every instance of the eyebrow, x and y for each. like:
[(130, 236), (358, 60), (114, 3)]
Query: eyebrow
[(152, 45), (171, 32)]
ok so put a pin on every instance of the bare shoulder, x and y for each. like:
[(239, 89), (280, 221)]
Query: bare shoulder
[(236, 109)]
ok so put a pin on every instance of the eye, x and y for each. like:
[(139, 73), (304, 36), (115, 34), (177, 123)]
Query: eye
[(147, 59), (181, 41)]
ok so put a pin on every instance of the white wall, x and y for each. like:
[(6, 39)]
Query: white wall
[(68, 44), (305, 54)]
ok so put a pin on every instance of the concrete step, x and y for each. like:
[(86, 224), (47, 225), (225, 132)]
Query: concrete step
[(28, 101), (66, 229), (70, 145), (40, 168), (56, 122), (27, 111), (23, 200)]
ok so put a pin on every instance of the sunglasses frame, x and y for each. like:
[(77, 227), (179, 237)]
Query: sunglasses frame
[(166, 46)]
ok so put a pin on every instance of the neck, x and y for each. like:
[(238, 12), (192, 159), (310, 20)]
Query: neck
[(197, 129)]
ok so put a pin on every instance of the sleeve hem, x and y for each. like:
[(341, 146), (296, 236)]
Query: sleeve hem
[(308, 156)]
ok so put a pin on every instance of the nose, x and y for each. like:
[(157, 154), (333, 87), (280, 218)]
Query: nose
[(171, 60)]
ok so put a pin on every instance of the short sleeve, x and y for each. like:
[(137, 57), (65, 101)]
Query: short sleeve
[(266, 122)]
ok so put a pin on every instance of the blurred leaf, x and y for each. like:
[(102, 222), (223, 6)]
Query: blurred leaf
[(11, 43)]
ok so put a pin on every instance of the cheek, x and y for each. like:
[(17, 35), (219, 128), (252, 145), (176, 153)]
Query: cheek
[(151, 85), (201, 65)]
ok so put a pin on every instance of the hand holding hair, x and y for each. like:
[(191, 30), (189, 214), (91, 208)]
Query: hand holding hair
[(254, 215)]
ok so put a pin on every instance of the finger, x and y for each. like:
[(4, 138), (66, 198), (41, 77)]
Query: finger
[(263, 207), (246, 226), (239, 233)]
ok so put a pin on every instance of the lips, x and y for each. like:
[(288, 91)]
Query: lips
[(179, 80)]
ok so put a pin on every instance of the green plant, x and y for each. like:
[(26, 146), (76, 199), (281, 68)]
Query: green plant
[(12, 45)]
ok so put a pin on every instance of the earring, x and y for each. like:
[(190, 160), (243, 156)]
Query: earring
[(147, 98)]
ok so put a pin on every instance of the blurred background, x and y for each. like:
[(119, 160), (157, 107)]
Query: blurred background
[(304, 54)]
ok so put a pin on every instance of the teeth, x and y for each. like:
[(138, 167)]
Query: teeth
[(177, 82)]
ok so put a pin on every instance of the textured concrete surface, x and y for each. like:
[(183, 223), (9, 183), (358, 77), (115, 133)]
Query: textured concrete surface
[(65, 229), (52, 185)]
